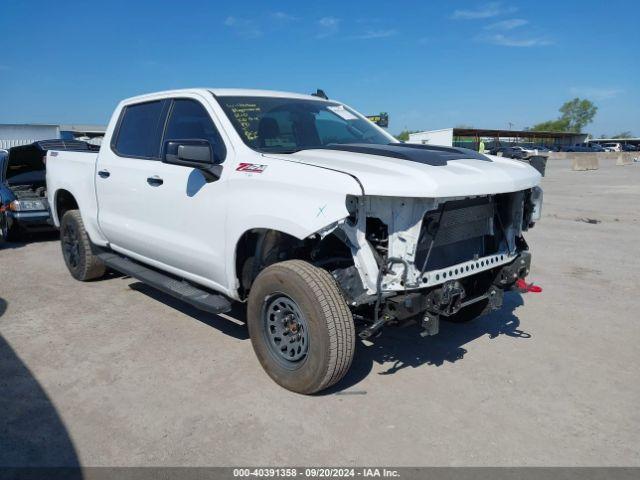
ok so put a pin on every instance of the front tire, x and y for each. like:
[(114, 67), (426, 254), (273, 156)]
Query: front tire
[(10, 233), (300, 326), (76, 249)]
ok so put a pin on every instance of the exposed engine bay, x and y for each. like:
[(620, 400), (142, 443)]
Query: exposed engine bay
[(23, 192), (25, 172), (29, 191), (435, 256)]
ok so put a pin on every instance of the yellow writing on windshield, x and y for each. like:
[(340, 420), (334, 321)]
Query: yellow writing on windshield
[(248, 116)]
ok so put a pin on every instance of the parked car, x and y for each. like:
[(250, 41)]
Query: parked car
[(627, 147), (576, 148), (585, 147), (612, 147), (596, 147), (542, 149), (299, 207), (527, 151), (511, 152), (23, 192)]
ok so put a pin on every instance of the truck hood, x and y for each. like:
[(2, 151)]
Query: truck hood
[(406, 171)]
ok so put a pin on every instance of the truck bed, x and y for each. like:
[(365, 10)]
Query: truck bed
[(73, 172)]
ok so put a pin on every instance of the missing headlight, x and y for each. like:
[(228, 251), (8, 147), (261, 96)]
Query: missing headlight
[(352, 207), (536, 201)]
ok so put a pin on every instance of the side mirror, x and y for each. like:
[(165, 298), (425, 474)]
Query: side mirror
[(192, 153)]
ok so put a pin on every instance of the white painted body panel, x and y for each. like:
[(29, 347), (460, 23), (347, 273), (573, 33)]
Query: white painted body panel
[(392, 177), (295, 199), (191, 228), (74, 172)]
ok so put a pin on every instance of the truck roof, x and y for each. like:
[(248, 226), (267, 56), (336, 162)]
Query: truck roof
[(226, 92)]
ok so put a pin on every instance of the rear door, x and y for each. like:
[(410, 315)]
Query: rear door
[(124, 194)]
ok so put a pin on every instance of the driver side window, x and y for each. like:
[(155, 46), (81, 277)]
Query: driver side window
[(188, 120)]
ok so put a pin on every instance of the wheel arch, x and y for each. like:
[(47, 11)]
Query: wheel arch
[(257, 248), (64, 201)]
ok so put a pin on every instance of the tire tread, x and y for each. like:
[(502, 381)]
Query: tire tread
[(342, 333), (93, 267), (340, 325)]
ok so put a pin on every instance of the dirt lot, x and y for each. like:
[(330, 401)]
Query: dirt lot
[(114, 373)]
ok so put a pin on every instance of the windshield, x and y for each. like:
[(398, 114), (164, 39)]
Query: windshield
[(287, 125)]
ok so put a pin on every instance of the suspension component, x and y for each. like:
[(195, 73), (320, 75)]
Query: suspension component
[(430, 324)]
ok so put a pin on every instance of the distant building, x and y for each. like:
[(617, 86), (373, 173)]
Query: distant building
[(12, 135), (470, 137)]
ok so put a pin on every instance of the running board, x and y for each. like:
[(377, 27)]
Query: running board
[(201, 299)]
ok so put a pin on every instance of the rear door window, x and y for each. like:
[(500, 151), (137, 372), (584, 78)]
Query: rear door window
[(140, 130)]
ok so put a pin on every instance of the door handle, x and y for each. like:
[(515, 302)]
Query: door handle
[(104, 173), (155, 181)]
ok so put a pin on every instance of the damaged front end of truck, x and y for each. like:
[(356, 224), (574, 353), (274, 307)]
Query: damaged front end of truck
[(433, 258)]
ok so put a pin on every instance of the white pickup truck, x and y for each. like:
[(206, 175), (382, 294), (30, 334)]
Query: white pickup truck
[(299, 206)]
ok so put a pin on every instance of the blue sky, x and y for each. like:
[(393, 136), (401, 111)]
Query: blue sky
[(429, 64)]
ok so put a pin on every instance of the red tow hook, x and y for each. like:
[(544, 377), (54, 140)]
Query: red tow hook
[(525, 287)]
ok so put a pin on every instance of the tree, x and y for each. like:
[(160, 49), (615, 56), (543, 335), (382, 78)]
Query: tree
[(403, 136), (623, 135), (560, 125), (579, 113), (576, 114)]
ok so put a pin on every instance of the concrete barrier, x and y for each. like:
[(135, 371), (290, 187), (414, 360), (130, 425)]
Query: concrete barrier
[(626, 158), (581, 161), (620, 158), (557, 155), (607, 157)]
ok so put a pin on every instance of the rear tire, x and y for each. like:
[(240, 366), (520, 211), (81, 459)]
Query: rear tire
[(76, 249), (300, 326)]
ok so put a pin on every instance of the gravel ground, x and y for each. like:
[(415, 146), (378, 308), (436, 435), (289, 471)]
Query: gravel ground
[(113, 373)]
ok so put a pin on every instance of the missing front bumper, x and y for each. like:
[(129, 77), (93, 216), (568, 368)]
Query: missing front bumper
[(481, 293)]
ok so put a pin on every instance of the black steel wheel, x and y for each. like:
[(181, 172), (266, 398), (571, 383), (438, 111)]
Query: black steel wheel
[(300, 326), (76, 249), (286, 328)]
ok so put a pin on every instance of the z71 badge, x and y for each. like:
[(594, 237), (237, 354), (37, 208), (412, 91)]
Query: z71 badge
[(251, 168)]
